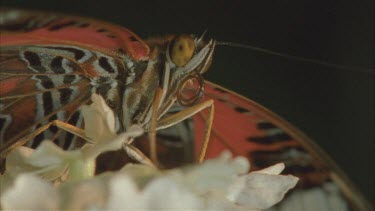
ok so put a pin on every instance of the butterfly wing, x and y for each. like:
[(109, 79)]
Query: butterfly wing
[(50, 64), (250, 130), (40, 84), (21, 27)]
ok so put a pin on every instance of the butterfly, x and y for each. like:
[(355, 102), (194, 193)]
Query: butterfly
[(51, 64)]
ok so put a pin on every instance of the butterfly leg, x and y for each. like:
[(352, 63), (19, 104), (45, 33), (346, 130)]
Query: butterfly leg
[(131, 150), (184, 114), (60, 124), (137, 155), (152, 129)]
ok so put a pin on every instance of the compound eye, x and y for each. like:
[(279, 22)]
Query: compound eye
[(182, 49)]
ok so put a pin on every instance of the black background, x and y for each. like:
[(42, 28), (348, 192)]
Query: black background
[(335, 107)]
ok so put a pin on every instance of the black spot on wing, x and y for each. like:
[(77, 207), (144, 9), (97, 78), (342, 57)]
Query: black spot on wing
[(103, 62), (103, 88), (69, 79), (45, 81), (270, 139), (53, 128), (83, 25), (78, 54), (241, 109), (265, 125), (101, 30), (65, 94), (47, 103), (69, 136), (34, 61), (265, 158), (38, 139), (62, 25), (56, 65)]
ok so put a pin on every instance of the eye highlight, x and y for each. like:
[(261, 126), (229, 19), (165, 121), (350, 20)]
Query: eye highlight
[(182, 49)]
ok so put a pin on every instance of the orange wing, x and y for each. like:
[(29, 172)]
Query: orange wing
[(21, 27), (250, 130)]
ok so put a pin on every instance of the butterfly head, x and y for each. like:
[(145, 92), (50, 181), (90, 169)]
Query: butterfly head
[(175, 65), (186, 59)]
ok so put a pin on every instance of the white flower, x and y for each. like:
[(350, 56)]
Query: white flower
[(84, 194), (160, 193), (30, 193), (48, 160), (99, 120), (218, 184), (215, 174), (261, 189), (100, 128)]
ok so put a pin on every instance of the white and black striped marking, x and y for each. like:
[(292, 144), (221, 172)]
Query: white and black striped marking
[(107, 66), (78, 54), (33, 61), (50, 101), (295, 158), (55, 59), (273, 134)]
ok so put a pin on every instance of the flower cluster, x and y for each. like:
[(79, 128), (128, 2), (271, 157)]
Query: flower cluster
[(51, 178)]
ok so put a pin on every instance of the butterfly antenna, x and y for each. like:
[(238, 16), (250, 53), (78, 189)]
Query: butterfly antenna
[(298, 58)]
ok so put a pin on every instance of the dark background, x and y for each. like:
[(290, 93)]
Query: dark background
[(335, 107)]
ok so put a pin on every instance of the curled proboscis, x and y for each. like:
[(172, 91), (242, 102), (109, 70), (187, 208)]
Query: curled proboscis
[(191, 90)]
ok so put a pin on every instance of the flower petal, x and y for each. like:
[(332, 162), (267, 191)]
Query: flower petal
[(99, 120), (17, 160), (164, 193), (48, 160), (115, 143), (275, 169), (140, 173), (217, 201), (84, 194), (123, 194), (47, 154), (260, 191), (31, 193), (215, 174)]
